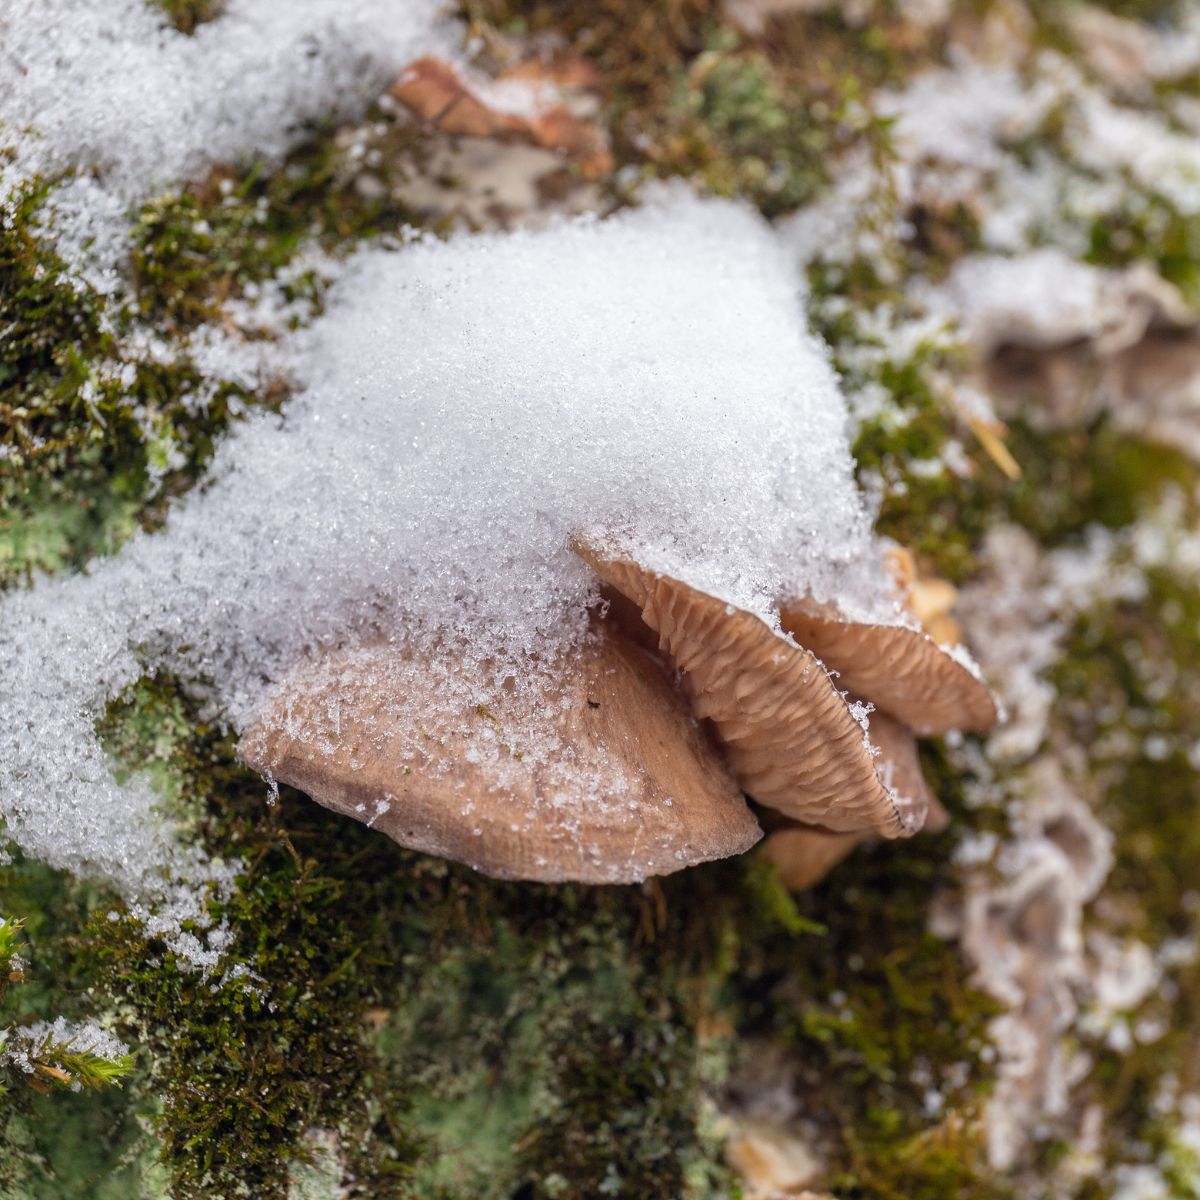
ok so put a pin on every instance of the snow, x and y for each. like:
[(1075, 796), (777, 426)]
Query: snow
[(1042, 297), (114, 95), (960, 114), (1158, 158), (22, 1047), (455, 430)]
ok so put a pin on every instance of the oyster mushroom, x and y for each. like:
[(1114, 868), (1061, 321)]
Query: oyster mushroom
[(596, 770), (601, 776), (901, 670), (804, 854), (917, 686), (788, 733), (1066, 340)]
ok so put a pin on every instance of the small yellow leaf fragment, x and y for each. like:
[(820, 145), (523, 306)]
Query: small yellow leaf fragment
[(991, 438)]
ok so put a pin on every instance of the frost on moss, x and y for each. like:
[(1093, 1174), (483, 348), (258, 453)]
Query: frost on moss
[(108, 411), (96, 435)]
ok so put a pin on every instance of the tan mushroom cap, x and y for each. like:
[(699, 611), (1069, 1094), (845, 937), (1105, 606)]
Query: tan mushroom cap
[(788, 733), (638, 788), (804, 854), (902, 671), (899, 766)]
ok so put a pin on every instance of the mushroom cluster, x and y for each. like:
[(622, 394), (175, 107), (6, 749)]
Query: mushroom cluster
[(675, 709)]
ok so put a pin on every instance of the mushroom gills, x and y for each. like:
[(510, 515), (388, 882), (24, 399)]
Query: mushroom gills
[(788, 733), (804, 854), (902, 671)]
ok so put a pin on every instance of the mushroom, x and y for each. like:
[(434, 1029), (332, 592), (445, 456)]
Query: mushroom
[(626, 784), (789, 735), (1066, 341), (805, 854), (901, 670), (602, 768)]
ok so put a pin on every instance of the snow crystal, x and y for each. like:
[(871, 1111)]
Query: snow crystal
[(24, 1044), (115, 94), (470, 405)]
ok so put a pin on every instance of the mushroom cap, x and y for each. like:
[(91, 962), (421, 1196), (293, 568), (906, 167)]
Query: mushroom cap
[(804, 854), (630, 787), (899, 766), (788, 733), (902, 671)]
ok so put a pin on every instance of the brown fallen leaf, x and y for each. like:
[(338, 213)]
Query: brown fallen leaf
[(521, 105)]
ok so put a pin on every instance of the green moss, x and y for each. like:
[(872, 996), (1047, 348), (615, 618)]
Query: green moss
[(94, 437), (1152, 11), (1080, 477), (62, 1145), (636, 48), (84, 425), (467, 1037), (196, 249), (186, 15), (1148, 228), (1129, 687), (53, 332), (1070, 479), (732, 127), (554, 1060), (879, 1012), (883, 51), (689, 96), (1134, 668)]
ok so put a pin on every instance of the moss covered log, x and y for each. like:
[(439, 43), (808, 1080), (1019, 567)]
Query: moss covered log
[(385, 1024)]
